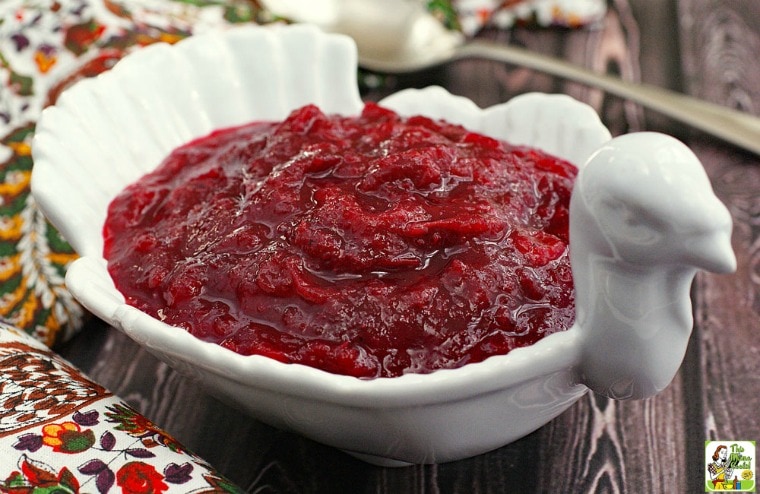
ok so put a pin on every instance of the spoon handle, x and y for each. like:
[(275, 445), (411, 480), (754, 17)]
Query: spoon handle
[(739, 128)]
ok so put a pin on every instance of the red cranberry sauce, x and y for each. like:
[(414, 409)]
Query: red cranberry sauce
[(368, 246)]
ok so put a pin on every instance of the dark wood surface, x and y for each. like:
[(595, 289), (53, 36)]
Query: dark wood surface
[(708, 48)]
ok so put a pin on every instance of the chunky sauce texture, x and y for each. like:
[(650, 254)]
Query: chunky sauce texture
[(370, 246)]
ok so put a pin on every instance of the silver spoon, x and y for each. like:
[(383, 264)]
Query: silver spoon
[(738, 128), (400, 36)]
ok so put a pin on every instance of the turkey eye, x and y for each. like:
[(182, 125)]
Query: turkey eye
[(624, 223)]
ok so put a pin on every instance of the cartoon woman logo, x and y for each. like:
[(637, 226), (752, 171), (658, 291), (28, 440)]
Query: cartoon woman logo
[(720, 470)]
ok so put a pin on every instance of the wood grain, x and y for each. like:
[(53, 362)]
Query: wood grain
[(599, 445), (720, 43)]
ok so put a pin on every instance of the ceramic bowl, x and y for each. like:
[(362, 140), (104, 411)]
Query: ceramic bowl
[(643, 220)]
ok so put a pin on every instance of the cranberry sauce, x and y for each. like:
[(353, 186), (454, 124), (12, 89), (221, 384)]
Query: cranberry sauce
[(368, 246)]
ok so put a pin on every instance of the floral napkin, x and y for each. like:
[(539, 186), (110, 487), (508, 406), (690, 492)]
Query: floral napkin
[(474, 15), (62, 433)]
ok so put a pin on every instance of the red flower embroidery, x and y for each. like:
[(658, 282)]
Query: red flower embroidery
[(35, 476), (137, 477), (80, 37)]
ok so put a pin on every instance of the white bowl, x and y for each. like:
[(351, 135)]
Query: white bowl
[(645, 201)]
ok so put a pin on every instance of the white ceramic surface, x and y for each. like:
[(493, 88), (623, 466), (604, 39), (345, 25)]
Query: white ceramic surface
[(382, 30), (643, 220)]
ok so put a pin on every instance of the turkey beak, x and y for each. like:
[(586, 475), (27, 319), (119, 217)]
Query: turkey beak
[(710, 245), (713, 253)]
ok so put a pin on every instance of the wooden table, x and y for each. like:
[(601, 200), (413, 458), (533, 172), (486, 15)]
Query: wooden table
[(707, 48)]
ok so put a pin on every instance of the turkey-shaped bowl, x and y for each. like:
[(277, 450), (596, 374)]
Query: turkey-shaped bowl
[(643, 220)]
